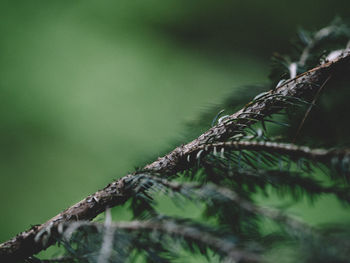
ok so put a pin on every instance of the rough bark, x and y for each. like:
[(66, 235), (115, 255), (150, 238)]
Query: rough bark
[(303, 86)]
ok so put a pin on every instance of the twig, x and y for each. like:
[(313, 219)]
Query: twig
[(107, 243), (172, 228), (211, 191), (319, 35), (273, 147)]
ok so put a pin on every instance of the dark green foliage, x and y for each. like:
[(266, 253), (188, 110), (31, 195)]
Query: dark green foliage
[(311, 48), (226, 180)]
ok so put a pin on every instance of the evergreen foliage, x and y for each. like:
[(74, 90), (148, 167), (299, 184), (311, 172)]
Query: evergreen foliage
[(263, 156)]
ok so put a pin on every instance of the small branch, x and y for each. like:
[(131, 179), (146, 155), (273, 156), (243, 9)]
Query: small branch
[(305, 85), (319, 35), (273, 147), (107, 244), (172, 228), (210, 191)]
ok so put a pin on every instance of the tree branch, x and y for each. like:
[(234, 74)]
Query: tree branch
[(173, 228), (303, 86), (274, 147), (211, 191)]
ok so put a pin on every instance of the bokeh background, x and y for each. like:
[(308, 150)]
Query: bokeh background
[(91, 89)]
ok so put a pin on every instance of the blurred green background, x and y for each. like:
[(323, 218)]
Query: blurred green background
[(91, 89)]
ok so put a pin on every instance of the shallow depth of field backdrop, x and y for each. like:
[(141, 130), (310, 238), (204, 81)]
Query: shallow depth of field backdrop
[(91, 89)]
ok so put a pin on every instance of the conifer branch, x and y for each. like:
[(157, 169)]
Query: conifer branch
[(290, 149), (107, 244), (303, 86), (312, 43), (209, 192), (170, 227)]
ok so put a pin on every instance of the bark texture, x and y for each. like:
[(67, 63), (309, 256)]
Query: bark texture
[(35, 239)]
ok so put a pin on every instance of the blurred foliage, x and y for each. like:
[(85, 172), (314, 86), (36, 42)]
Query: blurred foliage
[(87, 93)]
